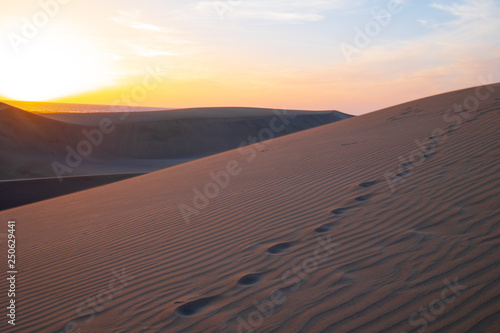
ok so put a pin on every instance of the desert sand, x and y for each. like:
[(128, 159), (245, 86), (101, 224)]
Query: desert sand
[(386, 222), (130, 142), (15, 193)]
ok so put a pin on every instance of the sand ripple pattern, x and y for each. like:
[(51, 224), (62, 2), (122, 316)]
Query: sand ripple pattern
[(393, 250)]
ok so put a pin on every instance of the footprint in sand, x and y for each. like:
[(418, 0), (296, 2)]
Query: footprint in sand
[(368, 184), (363, 197), (324, 228), (278, 248), (194, 307), (429, 153), (339, 211), (404, 174), (249, 279), (453, 128), (431, 150)]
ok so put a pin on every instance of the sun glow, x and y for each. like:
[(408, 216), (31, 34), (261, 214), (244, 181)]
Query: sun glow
[(49, 68)]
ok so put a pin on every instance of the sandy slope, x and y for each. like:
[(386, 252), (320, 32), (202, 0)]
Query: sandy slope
[(307, 237), (108, 143)]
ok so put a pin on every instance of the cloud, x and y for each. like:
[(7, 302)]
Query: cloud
[(428, 24), (145, 26), (147, 51), (147, 39), (279, 17), (279, 11), (425, 23), (447, 56), (129, 19), (467, 10)]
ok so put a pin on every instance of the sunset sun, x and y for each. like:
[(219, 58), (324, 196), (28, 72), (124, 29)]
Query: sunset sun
[(50, 68)]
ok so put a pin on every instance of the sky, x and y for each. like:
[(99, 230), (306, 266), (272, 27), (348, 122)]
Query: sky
[(355, 56)]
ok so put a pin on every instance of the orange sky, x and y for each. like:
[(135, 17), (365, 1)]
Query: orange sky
[(350, 56)]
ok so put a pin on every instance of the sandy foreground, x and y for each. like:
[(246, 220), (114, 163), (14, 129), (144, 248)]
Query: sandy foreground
[(387, 222)]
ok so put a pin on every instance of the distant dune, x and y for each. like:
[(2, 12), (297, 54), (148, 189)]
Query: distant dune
[(135, 142), (386, 222)]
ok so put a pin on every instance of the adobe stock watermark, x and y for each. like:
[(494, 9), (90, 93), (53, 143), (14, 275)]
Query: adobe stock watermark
[(95, 137), (93, 305), (454, 117), (363, 36), (220, 180), (436, 307), (292, 278), (223, 8), (31, 26)]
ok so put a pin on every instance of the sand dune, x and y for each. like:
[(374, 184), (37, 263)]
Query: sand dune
[(387, 222), (94, 118), (108, 143), (15, 193)]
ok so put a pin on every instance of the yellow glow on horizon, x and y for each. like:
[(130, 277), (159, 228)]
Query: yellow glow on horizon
[(50, 68)]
